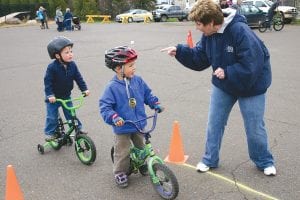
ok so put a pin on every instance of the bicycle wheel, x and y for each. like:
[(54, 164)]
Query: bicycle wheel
[(278, 25), (167, 186), (262, 27), (85, 149), (112, 151)]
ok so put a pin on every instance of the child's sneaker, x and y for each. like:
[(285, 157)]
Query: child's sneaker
[(121, 179), (270, 171), (49, 138), (201, 167)]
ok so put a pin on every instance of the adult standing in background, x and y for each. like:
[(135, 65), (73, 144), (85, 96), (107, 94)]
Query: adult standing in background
[(40, 17), (68, 19), (59, 18), (241, 73), (45, 17)]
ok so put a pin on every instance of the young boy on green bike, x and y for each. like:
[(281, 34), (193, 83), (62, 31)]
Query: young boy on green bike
[(124, 98), (59, 81)]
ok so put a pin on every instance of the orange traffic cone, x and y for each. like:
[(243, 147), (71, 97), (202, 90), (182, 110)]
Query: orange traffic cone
[(13, 190), (189, 39), (176, 154)]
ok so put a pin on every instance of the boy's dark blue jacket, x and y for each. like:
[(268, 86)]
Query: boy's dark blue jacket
[(236, 49), (114, 100), (59, 81)]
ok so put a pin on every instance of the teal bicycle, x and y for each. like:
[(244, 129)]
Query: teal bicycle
[(84, 146), (147, 162), (277, 23)]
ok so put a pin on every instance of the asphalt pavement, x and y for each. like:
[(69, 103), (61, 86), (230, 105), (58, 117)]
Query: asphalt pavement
[(185, 95)]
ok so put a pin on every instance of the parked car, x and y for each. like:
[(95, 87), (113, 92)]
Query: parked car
[(169, 11), (135, 15), (253, 14), (289, 13)]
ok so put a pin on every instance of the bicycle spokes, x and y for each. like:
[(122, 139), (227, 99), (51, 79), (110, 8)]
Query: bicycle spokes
[(85, 149)]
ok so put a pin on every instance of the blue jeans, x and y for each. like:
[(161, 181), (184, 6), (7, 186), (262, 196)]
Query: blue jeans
[(52, 116), (252, 109)]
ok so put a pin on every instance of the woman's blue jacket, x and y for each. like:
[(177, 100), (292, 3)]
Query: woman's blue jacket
[(236, 49)]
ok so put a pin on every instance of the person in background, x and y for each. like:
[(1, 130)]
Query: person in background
[(271, 12), (241, 73), (40, 17), (45, 17), (237, 6), (68, 19), (223, 4), (59, 19)]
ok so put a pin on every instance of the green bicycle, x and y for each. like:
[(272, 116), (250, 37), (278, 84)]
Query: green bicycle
[(147, 162), (277, 23), (84, 146)]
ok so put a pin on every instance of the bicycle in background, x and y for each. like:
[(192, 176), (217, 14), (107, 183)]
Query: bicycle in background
[(277, 23)]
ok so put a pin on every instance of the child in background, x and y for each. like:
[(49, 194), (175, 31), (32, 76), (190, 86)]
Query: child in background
[(124, 98), (59, 81)]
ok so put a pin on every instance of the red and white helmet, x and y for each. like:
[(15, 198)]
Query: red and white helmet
[(119, 56)]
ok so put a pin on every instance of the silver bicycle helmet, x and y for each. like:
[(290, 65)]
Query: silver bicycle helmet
[(57, 44)]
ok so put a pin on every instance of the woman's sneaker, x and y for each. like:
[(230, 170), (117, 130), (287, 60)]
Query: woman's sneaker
[(201, 167), (121, 180), (270, 171)]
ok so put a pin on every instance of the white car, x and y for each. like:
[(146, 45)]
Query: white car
[(289, 12), (135, 15)]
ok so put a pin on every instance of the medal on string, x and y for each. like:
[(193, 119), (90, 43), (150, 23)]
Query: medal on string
[(131, 101)]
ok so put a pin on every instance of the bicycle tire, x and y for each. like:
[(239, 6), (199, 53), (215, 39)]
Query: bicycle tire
[(112, 151), (167, 187), (85, 149), (262, 27), (278, 25)]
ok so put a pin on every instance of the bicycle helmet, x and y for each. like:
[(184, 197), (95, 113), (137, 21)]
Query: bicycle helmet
[(57, 44), (119, 56)]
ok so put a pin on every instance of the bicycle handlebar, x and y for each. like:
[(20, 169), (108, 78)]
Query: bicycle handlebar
[(154, 116), (65, 101)]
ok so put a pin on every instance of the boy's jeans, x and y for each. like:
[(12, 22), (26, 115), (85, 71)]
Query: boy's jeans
[(52, 116), (252, 109)]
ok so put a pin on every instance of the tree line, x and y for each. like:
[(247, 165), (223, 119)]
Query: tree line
[(78, 7)]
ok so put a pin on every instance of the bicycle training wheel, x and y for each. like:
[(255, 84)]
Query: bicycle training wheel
[(85, 149), (56, 144), (167, 187), (278, 25), (262, 27)]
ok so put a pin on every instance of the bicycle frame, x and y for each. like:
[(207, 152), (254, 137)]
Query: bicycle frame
[(139, 156), (73, 125)]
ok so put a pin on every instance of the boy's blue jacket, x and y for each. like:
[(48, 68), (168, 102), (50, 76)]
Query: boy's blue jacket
[(236, 49), (114, 100), (59, 81)]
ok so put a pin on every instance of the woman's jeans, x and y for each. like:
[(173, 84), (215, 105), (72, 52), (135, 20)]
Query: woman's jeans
[(252, 109), (52, 116)]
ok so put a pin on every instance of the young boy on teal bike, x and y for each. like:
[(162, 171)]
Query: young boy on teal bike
[(59, 81), (124, 98)]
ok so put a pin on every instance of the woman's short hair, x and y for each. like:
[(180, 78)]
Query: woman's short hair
[(205, 12)]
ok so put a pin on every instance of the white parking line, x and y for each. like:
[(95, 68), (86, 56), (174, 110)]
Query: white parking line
[(240, 185)]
